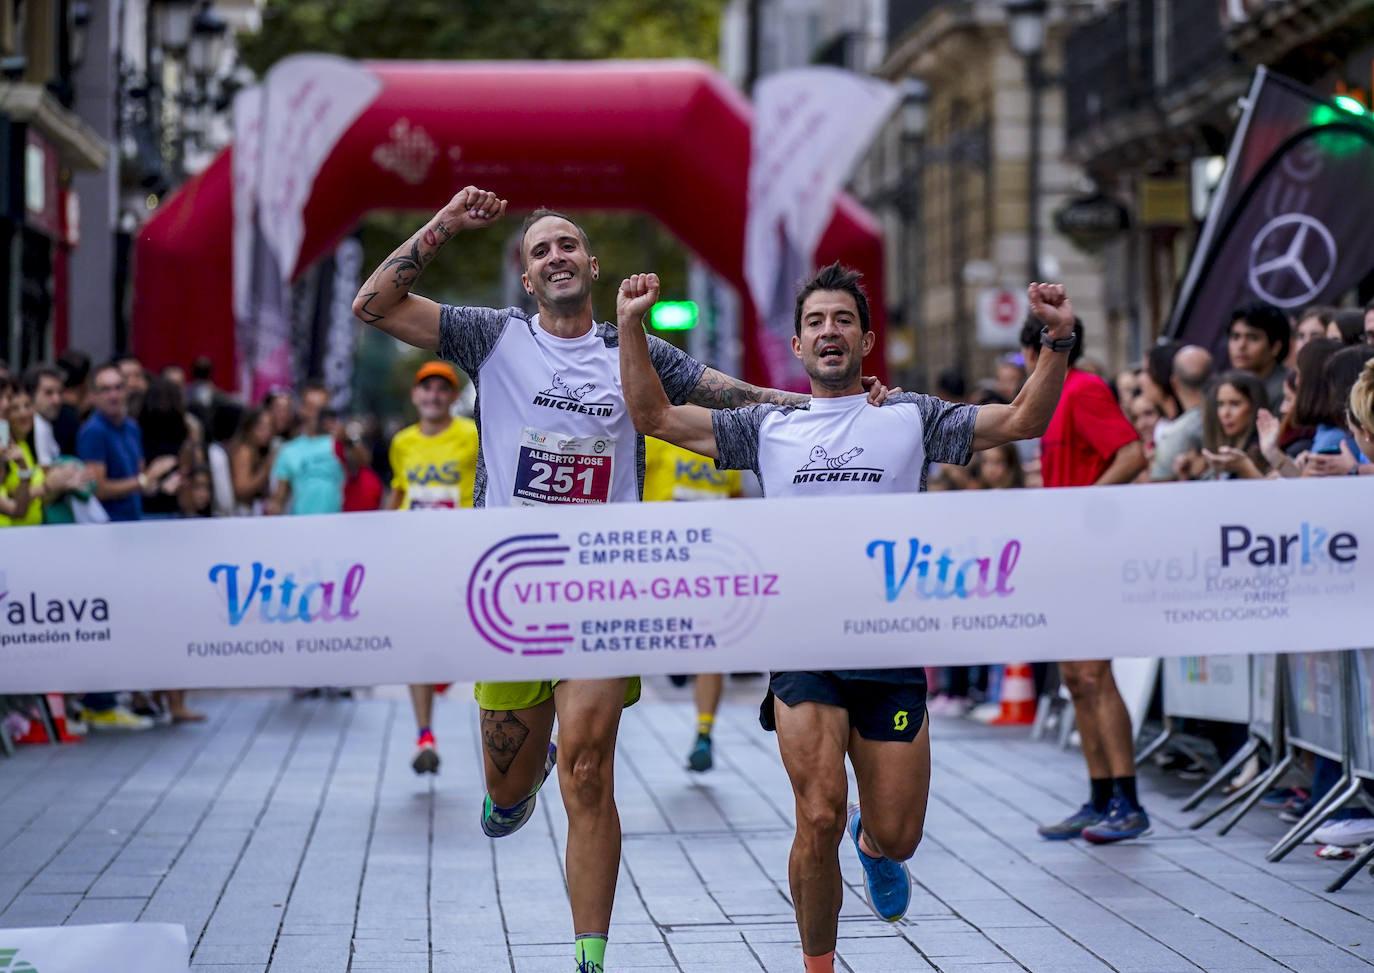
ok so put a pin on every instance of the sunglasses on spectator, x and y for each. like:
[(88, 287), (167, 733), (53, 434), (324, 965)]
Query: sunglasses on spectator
[(110, 388)]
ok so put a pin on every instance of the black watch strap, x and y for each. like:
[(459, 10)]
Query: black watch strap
[(1056, 344)]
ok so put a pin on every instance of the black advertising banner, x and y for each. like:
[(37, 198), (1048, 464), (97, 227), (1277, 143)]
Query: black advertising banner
[(1290, 222)]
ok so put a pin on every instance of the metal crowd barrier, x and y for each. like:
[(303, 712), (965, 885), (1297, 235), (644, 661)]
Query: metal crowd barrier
[(1315, 702), (1215, 687)]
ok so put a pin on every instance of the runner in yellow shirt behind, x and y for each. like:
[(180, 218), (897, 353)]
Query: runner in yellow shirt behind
[(674, 473), (433, 464)]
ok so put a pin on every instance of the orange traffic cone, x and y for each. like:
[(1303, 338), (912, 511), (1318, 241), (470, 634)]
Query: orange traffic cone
[(37, 734), (1018, 696)]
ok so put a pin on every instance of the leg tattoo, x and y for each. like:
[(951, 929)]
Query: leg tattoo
[(502, 735)]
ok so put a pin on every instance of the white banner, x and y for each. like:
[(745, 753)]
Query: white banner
[(811, 126), (310, 101), (124, 947), (534, 593), (1208, 687)]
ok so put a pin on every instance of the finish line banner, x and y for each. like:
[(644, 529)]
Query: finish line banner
[(748, 585)]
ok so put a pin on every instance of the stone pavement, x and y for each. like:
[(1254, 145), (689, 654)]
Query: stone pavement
[(292, 837)]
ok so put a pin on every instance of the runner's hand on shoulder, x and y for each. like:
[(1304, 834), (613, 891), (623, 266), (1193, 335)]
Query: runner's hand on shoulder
[(637, 294), (1050, 304), (471, 207), (877, 391)]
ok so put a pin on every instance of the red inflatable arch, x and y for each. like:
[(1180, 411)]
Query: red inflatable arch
[(670, 139)]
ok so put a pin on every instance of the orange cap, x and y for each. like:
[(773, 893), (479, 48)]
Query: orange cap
[(441, 369)]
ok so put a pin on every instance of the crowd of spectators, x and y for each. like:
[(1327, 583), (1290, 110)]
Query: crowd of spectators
[(114, 443), (1293, 398)]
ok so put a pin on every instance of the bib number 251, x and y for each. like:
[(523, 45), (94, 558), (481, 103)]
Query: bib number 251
[(561, 479)]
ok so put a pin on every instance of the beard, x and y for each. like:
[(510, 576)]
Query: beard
[(568, 302), (835, 380)]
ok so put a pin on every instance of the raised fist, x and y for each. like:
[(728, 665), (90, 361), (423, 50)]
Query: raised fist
[(1050, 304), (471, 207), (637, 295)]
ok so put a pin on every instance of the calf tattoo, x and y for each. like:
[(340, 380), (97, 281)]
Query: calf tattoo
[(502, 736)]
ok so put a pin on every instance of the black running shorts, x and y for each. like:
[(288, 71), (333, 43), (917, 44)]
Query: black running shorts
[(878, 709)]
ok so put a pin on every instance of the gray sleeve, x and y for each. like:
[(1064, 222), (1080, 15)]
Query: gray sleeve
[(678, 371), (737, 436), (467, 335), (947, 427)]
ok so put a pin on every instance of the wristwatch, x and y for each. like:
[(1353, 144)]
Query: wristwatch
[(25, 475), (143, 481), (1056, 344)]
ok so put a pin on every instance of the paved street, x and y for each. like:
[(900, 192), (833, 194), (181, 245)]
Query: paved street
[(293, 837)]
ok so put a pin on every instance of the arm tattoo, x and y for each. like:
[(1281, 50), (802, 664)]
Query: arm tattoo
[(408, 265), (719, 391), (368, 315), (502, 737)]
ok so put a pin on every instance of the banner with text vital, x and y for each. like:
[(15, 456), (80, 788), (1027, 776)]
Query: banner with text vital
[(1288, 223), (117, 947), (539, 593)]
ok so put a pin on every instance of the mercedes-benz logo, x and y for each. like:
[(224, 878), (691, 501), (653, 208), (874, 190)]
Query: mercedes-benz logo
[(1304, 262)]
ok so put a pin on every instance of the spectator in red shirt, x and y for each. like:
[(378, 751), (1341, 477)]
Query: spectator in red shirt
[(363, 488), (1091, 442)]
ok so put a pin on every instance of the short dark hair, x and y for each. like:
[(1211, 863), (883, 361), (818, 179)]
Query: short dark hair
[(105, 367), (36, 373), (1030, 336), (1269, 319), (1159, 365), (76, 366), (1322, 312), (314, 385), (542, 213), (1350, 323), (951, 381), (835, 277), (202, 368), (1339, 375)]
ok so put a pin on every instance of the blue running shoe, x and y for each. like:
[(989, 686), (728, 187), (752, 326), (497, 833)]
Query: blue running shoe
[(1072, 826), (499, 822), (1122, 822), (700, 757), (887, 883)]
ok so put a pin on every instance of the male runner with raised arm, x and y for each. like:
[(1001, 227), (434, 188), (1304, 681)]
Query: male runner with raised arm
[(546, 384), (875, 716)]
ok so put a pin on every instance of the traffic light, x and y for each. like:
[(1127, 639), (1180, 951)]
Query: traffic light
[(673, 315)]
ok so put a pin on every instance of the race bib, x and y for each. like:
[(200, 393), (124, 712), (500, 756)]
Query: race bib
[(433, 497), (555, 469)]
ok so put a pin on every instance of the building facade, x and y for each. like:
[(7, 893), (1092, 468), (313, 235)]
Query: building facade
[(1153, 90)]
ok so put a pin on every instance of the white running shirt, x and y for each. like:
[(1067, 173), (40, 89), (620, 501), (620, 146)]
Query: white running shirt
[(842, 446), (553, 428)]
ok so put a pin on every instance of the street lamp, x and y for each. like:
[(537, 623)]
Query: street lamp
[(174, 20), (1026, 30), (915, 118), (207, 45)]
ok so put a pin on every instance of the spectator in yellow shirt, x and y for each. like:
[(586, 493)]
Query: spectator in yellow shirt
[(674, 473), (433, 464)]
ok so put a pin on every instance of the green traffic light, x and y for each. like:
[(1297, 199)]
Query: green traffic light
[(1351, 105), (673, 315)]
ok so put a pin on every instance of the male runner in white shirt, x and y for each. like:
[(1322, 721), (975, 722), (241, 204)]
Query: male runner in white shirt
[(553, 430), (838, 446)]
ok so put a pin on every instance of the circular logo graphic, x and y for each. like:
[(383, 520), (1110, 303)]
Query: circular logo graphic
[(1292, 259)]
